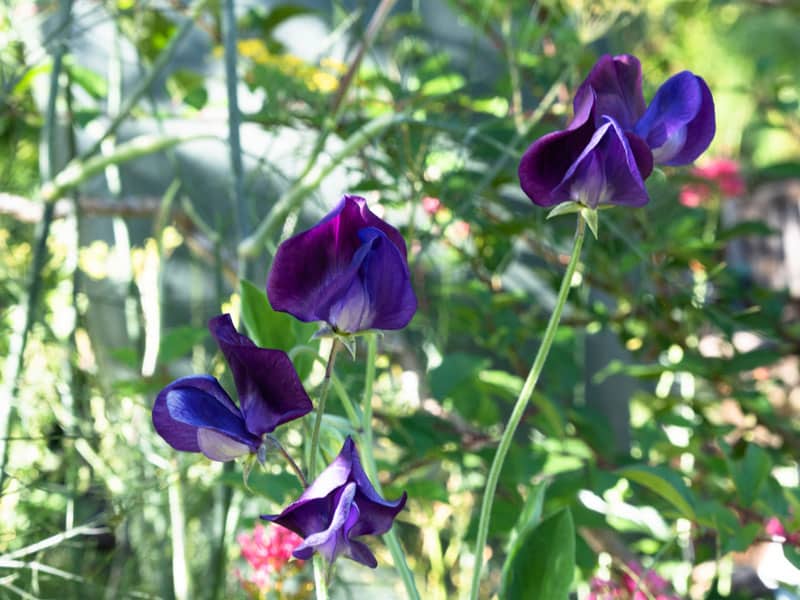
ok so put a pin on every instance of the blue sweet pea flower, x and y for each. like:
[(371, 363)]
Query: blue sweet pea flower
[(195, 414)]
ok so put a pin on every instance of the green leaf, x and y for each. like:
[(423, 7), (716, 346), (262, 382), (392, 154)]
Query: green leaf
[(541, 563), (792, 554), (455, 369), (750, 473), (758, 228), (442, 85), (531, 513), (565, 208), (178, 342), (267, 22), (590, 216), (272, 329), (93, 83), (665, 483), (188, 87)]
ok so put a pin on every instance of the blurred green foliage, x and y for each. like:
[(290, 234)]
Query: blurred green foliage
[(676, 475)]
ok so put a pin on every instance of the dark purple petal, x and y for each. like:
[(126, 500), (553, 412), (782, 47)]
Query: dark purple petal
[(307, 263), (641, 153), (177, 434), (679, 123), (307, 514), (331, 541), (377, 514), (374, 292), (606, 172), (547, 160), (616, 82), (340, 505), (359, 552), (270, 392)]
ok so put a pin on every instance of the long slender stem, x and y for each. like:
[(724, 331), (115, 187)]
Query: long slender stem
[(292, 464), (520, 406), (320, 578), (234, 120), (398, 556), (320, 575), (323, 396)]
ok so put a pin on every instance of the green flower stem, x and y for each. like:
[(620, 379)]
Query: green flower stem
[(520, 405), (292, 464), (320, 578), (79, 171), (398, 556), (323, 396)]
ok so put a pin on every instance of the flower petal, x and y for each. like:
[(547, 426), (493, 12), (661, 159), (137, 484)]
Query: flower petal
[(180, 435), (218, 446), (377, 513), (606, 172), (195, 407), (340, 505), (361, 553), (330, 542), (616, 82), (306, 264), (270, 392), (547, 160), (375, 292), (679, 123)]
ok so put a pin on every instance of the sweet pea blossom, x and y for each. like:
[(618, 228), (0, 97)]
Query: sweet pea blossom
[(349, 271), (338, 507), (609, 148), (195, 414)]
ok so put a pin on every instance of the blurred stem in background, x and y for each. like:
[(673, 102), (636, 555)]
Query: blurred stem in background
[(47, 160), (229, 33)]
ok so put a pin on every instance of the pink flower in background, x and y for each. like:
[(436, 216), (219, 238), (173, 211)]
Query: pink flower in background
[(604, 589), (775, 528), (268, 552), (642, 586), (723, 176), (431, 205)]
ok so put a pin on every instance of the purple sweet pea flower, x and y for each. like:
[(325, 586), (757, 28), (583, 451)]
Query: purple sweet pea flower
[(194, 413), (609, 147), (593, 166), (349, 270), (338, 507), (616, 84)]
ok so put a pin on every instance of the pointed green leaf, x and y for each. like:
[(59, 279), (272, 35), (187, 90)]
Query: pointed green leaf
[(271, 329), (665, 483), (531, 513), (564, 208), (541, 563), (590, 216), (750, 473)]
